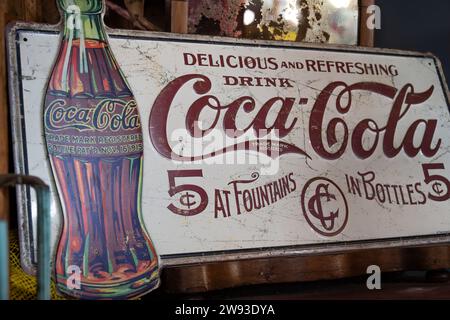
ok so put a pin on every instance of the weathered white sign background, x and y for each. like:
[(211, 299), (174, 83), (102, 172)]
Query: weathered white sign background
[(150, 64)]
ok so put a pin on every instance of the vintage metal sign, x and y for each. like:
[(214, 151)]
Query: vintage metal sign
[(261, 148)]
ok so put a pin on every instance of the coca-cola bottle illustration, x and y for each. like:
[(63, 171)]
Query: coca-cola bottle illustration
[(94, 141)]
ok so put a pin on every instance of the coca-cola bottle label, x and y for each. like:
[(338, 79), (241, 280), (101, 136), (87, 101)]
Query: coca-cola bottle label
[(88, 127)]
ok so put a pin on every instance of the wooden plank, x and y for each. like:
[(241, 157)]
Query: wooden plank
[(395, 285), (33, 10), (167, 13), (221, 275), (30, 10), (50, 13), (366, 35), (179, 16), (3, 110), (4, 270), (13, 9)]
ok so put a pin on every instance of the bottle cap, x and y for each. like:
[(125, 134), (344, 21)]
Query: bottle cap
[(81, 6)]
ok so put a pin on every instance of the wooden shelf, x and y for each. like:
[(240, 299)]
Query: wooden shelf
[(221, 275)]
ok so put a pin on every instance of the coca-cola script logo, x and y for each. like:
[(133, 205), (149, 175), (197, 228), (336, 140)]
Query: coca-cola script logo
[(419, 136), (109, 114)]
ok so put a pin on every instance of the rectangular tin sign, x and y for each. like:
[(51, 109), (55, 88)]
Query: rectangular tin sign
[(255, 148)]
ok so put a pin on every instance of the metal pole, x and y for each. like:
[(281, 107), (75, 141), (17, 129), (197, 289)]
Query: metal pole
[(43, 203), (4, 260)]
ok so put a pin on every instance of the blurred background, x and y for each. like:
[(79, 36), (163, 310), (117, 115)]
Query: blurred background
[(416, 25)]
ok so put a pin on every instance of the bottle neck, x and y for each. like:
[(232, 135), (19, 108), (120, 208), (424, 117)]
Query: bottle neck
[(87, 26)]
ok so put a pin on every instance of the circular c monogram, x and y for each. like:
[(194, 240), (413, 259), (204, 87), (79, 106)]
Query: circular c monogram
[(324, 207)]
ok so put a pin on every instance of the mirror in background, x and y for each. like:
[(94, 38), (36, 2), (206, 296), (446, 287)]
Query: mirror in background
[(319, 21)]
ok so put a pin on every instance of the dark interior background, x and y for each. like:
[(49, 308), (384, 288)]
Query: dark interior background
[(416, 25)]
